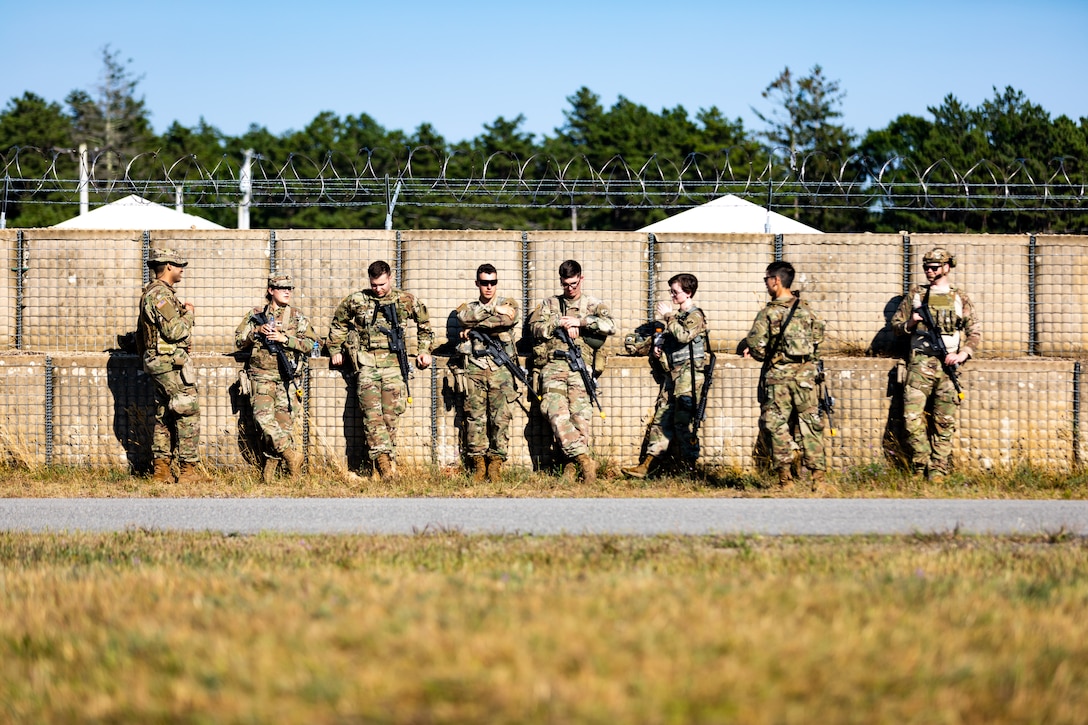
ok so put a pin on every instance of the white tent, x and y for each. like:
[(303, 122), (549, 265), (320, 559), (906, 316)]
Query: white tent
[(730, 214), (135, 212)]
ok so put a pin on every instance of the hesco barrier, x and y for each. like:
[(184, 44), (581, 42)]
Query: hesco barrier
[(69, 396)]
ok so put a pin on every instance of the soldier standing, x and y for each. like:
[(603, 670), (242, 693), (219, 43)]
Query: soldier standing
[(490, 390), (565, 400), (361, 334), (164, 338), (280, 340), (786, 335), (683, 353), (930, 380)]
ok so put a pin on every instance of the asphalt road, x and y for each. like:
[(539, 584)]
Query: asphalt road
[(549, 516)]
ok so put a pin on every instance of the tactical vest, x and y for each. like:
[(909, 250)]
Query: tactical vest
[(947, 311)]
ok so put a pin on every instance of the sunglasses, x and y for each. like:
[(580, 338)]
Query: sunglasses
[(932, 267), (487, 282)]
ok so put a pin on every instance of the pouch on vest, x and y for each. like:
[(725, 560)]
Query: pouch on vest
[(188, 373)]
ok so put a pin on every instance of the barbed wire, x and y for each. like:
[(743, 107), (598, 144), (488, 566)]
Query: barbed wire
[(424, 176)]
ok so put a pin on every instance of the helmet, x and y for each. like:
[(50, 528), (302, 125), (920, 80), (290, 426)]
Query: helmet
[(939, 255), (162, 255), (280, 281)]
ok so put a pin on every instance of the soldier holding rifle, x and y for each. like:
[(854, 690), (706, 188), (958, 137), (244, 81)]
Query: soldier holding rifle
[(683, 350), (568, 331), (490, 365), (944, 332), (367, 336), (280, 339)]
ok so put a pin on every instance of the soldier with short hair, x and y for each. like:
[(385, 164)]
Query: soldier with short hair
[(683, 353), (565, 401), (786, 337), (360, 335), (164, 339), (928, 384), (280, 340), (490, 389)]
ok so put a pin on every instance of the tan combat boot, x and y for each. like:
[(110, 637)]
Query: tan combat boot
[(162, 473), (569, 472), (190, 473), (589, 468), (268, 473), (479, 468), (641, 470), (383, 464), (820, 485), (294, 460), (494, 469), (785, 479)]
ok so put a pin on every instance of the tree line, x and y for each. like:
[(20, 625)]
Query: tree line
[(1030, 166)]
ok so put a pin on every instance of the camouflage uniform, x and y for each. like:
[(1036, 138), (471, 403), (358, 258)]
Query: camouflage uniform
[(676, 400), (163, 338), (926, 380), (490, 390), (565, 401), (274, 410), (789, 381), (381, 390)]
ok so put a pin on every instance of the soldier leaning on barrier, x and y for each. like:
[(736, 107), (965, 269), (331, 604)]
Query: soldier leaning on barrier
[(490, 388), (786, 336), (280, 340), (931, 380), (565, 399), (683, 353), (361, 335), (163, 339)]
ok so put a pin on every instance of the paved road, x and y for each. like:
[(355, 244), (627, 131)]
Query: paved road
[(549, 516)]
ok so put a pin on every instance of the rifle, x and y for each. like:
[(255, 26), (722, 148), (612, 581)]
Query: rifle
[(284, 363), (700, 407), (825, 400), (494, 350), (772, 349), (395, 333), (936, 341), (577, 364)]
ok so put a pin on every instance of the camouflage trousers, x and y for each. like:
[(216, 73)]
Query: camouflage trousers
[(781, 401), (383, 398), (927, 381), (488, 412), (177, 415), (567, 407), (269, 404), (673, 415)]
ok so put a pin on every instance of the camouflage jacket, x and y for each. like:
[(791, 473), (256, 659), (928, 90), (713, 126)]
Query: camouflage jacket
[(263, 365), (492, 319), (357, 321), (596, 322), (680, 330), (952, 311), (164, 330), (799, 345)]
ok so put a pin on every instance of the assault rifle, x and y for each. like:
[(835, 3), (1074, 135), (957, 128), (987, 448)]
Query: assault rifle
[(825, 399), (936, 341), (283, 362), (397, 346), (700, 407), (577, 364), (493, 349)]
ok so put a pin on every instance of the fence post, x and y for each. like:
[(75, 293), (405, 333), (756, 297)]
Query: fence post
[(651, 273), (20, 274), (526, 293), (272, 253), (1033, 333), (778, 247), (906, 263), (434, 413), (145, 254), (1076, 414), (49, 386), (398, 262)]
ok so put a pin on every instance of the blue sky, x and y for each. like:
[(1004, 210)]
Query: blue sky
[(459, 65)]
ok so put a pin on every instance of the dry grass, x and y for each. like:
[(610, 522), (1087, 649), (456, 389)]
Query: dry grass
[(141, 626), (876, 480)]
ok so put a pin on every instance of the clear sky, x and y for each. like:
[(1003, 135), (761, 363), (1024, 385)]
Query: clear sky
[(460, 65)]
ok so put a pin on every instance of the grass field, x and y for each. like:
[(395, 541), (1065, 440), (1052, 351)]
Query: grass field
[(164, 627)]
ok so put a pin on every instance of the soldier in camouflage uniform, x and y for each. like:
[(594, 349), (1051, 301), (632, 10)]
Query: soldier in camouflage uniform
[(276, 408), (356, 337), (683, 353), (927, 384), (788, 381), (490, 387), (163, 338), (565, 401)]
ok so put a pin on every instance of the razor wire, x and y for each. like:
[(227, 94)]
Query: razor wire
[(430, 177)]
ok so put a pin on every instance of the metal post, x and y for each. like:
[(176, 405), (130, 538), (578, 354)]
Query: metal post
[(1033, 332), (272, 252), (20, 275), (398, 262), (145, 253), (906, 263), (651, 273), (1076, 414), (778, 247), (308, 388), (48, 410), (526, 293), (434, 414)]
